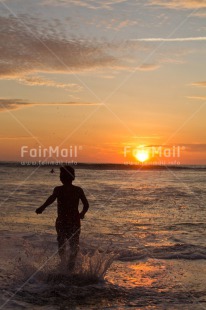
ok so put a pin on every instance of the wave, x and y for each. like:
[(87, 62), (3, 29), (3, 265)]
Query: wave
[(177, 251), (177, 226)]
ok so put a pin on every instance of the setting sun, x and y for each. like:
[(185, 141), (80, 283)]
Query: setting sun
[(142, 155)]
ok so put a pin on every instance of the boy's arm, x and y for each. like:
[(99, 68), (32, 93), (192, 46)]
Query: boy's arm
[(85, 204), (48, 202)]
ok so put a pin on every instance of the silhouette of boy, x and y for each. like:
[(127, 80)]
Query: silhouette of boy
[(68, 219)]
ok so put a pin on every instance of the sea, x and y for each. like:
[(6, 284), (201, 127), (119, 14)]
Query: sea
[(142, 242)]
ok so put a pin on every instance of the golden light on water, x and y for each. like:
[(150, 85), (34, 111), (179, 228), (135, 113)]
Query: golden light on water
[(130, 275), (142, 155)]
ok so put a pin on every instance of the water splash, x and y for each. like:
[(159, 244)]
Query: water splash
[(94, 265), (43, 265)]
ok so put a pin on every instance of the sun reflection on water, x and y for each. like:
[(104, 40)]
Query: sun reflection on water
[(142, 274)]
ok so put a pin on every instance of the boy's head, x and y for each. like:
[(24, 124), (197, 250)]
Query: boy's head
[(67, 174)]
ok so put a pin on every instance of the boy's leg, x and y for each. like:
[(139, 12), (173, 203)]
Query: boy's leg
[(74, 247), (61, 238), (62, 248)]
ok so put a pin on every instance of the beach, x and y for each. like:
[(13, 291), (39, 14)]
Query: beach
[(142, 242)]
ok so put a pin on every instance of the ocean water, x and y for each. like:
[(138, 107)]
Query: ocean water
[(143, 241)]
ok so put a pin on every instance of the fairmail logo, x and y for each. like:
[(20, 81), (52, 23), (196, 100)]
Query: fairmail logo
[(55, 152)]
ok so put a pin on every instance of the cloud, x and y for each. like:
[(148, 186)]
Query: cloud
[(188, 147), (147, 137), (195, 147), (36, 47), (114, 23), (201, 84), (34, 80), (28, 50), (148, 67), (180, 4), (190, 39), (202, 98), (89, 4), (15, 104)]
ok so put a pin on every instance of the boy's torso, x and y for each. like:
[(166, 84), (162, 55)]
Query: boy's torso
[(67, 204)]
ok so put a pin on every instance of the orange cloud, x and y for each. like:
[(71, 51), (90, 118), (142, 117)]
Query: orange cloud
[(201, 84), (195, 147), (15, 104), (190, 147), (197, 97), (34, 80), (178, 4)]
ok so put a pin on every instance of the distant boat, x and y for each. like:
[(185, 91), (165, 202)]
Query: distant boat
[(52, 171)]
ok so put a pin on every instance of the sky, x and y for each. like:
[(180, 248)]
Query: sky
[(119, 81)]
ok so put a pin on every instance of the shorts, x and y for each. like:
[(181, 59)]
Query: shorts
[(67, 231)]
